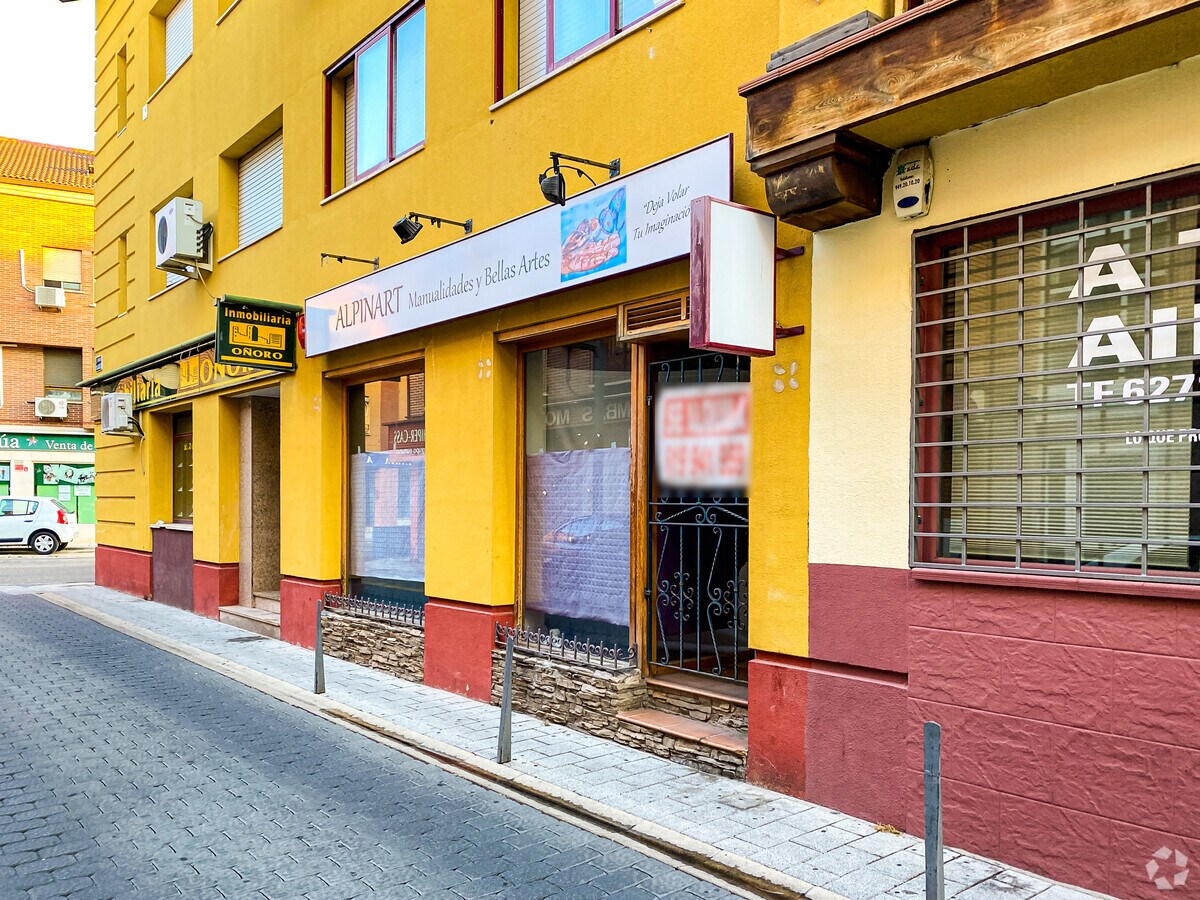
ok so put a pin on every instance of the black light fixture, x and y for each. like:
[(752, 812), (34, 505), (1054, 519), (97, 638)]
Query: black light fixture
[(554, 184), (408, 228)]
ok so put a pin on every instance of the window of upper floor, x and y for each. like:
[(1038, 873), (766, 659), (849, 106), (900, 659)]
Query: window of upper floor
[(177, 37), (376, 100), (62, 370), (62, 268), (260, 190), (552, 33)]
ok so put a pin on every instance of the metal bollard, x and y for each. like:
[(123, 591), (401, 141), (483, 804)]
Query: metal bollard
[(935, 877), (319, 687), (504, 743)]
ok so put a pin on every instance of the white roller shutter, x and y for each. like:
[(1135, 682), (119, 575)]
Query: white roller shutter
[(351, 125), (178, 36), (260, 190), (531, 41), (62, 266)]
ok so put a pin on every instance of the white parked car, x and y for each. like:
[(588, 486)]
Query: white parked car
[(40, 523)]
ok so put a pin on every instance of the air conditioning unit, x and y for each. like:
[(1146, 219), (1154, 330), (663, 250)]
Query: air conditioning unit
[(49, 297), (50, 407), (179, 235), (116, 413)]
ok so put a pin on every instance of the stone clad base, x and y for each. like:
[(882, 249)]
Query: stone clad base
[(687, 749), (698, 707), (581, 697), (387, 646), (594, 700)]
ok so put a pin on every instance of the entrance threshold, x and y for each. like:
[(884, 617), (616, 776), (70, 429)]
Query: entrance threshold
[(735, 693)]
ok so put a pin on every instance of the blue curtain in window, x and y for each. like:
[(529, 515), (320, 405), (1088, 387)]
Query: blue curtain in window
[(578, 23), (632, 10), (410, 83), (371, 97)]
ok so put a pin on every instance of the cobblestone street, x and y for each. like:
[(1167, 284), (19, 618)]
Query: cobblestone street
[(127, 772)]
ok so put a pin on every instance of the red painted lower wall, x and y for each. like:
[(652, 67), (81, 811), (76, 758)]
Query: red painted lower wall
[(127, 571), (214, 585), (778, 705), (298, 598), (459, 638), (1071, 721)]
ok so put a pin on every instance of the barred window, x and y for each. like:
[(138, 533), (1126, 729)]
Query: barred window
[(1057, 355)]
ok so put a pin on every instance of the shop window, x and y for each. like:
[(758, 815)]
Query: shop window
[(553, 32), (577, 483), (377, 100), (71, 485), (181, 467), (260, 190), (62, 268), (387, 489), (62, 369), (1057, 371), (177, 37)]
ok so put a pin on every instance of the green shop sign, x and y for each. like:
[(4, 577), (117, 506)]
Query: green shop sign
[(81, 443), (256, 333)]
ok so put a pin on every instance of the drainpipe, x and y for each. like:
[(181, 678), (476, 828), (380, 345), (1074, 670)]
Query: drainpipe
[(21, 253)]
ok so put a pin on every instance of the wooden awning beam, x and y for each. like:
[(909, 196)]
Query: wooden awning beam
[(944, 65)]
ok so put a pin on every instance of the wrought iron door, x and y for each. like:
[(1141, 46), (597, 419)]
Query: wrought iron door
[(697, 546)]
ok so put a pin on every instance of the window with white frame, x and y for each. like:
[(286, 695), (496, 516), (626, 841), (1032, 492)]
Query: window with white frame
[(177, 37), (62, 268), (1057, 373), (554, 32), (260, 190), (378, 93)]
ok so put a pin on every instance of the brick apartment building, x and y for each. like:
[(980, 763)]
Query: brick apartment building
[(46, 228)]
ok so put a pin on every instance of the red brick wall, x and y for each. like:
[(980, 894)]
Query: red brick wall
[(29, 224)]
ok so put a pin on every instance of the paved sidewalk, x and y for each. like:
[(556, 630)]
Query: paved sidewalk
[(740, 825)]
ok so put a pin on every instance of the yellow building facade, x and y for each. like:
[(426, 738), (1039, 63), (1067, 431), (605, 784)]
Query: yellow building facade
[(416, 465)]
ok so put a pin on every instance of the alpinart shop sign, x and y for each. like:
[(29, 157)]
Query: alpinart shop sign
[(639, 220)]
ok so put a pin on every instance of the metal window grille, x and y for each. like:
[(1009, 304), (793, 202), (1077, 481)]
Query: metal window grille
[(260, 190), (1056, 368), (178, 41)]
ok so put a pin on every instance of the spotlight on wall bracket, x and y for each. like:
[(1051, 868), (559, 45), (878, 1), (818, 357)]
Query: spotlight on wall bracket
[(408, 228), (554, 185)]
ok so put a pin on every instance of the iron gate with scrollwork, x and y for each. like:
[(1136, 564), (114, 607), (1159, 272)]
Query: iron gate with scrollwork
[(698, 546)]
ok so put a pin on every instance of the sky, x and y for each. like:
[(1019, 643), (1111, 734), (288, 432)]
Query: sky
[(47, 50)]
